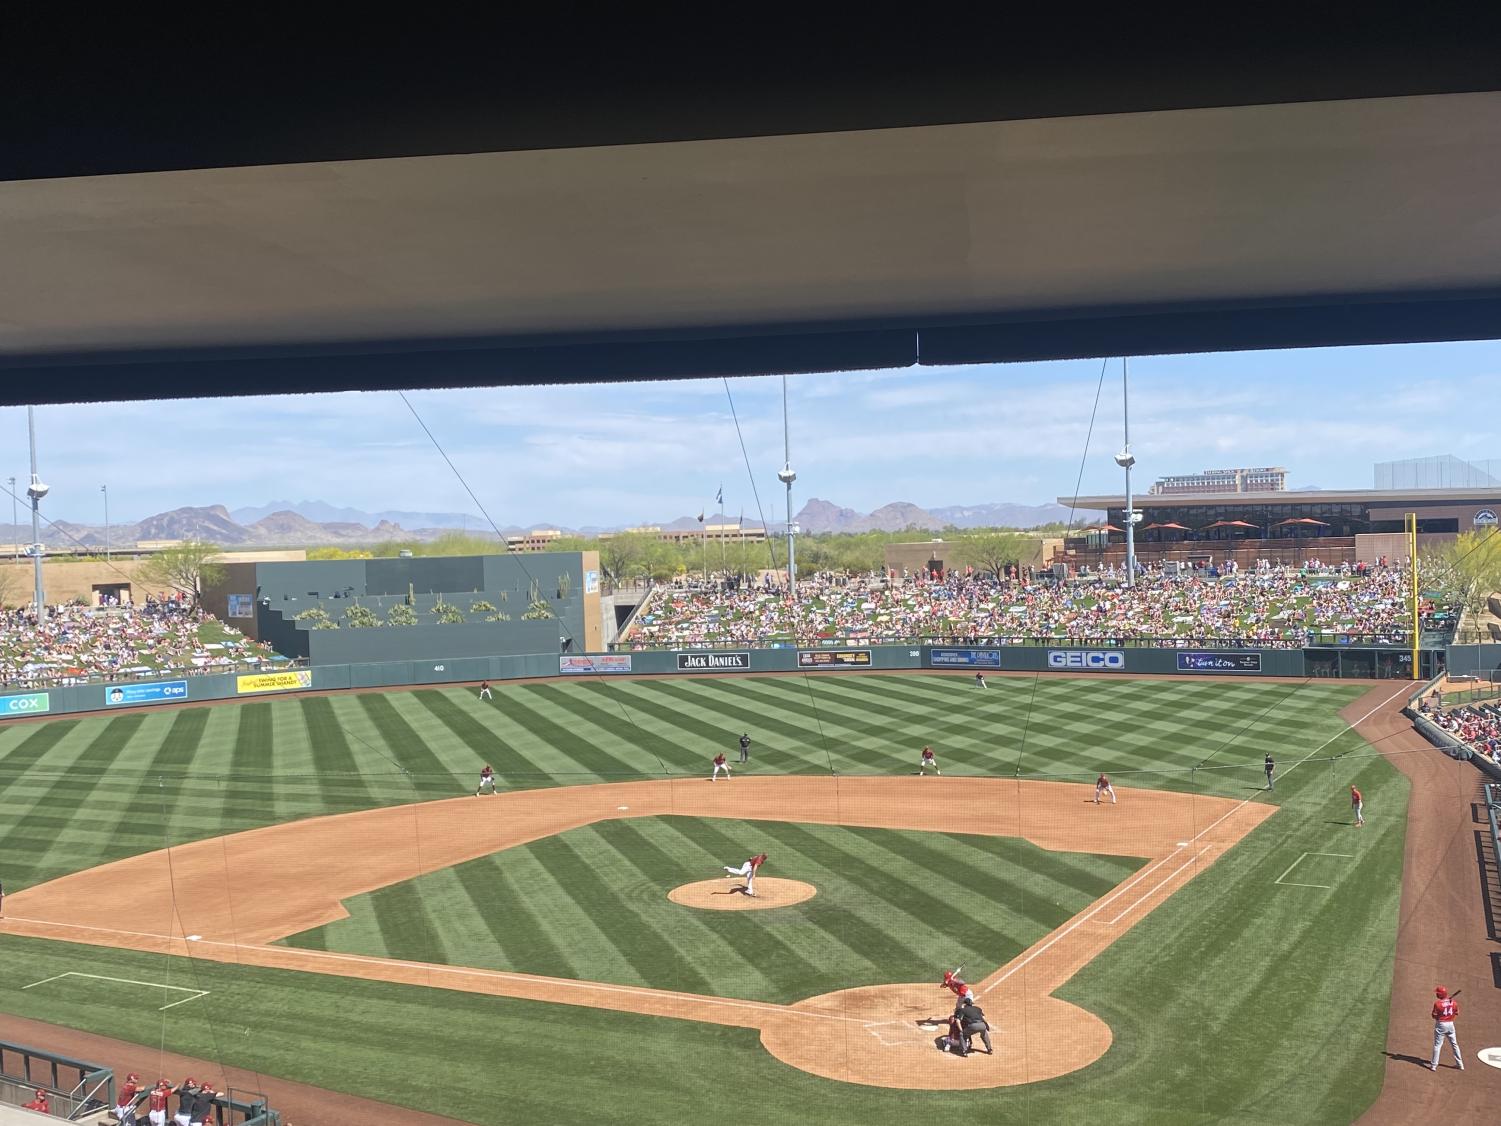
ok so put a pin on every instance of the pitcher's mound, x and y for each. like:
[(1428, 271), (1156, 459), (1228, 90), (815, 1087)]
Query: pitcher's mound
[(728, 894)]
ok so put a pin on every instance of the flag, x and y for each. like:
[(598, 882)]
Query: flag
[(700, 516), (719, 496)]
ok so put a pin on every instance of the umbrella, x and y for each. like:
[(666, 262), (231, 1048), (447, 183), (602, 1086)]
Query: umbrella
[(1229, 524), (1104, 528), (1168, 527), (1307, 520)]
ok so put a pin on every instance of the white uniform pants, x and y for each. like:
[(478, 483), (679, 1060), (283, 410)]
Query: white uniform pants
[(1444, 1030), (1101, 791), (718, 766), (744, 870)]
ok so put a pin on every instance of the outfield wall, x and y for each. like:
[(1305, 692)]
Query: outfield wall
[(830, 660)]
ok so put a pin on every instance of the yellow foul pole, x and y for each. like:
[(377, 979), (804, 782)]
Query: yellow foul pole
[(1412, 556)]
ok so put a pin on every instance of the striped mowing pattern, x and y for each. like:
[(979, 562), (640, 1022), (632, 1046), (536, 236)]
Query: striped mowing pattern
[(591, 903), (79, 792)]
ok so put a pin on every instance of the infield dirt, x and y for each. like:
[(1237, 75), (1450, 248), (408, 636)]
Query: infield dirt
[(235, 896)]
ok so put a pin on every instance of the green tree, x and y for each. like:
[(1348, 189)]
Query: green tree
[(992, 552), (187, 566), (1464, 572)]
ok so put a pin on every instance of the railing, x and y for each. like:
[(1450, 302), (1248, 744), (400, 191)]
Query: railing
[(1311, 640), (37, 1069)]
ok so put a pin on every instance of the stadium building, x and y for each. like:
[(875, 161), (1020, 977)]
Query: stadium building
[(1332, 526)]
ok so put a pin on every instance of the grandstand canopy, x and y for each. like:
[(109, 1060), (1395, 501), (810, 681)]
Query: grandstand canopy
[(197, 229)]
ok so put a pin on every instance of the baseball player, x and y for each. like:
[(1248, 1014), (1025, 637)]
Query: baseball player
[(925, 761), (187, 1095), (748, 870), (720, 764), (1269, 766), (954, 983), (203, 1106), (1102, 787), (1445, 1009), (126, 1099), (484, 690), (156, 1103), (1357, 803), (486, 780), (745, 748), (979, 680)]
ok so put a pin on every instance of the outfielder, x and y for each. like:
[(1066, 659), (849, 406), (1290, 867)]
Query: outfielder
[(979, 680), (926, 760), (1357, 803), (484, 690), (748, 870), (486, 780), (1445, 1009), (720, 764), (1102, 786)]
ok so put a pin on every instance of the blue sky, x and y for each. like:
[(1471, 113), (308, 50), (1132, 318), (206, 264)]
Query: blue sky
[(616, 454)]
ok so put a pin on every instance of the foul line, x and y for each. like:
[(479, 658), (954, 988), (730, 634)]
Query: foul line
[(197, 993), (1100, 904), (434, 968)]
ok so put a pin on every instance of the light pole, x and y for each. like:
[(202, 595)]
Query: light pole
[(36, 491), (1126, 459), (105, 490), (787, 476)]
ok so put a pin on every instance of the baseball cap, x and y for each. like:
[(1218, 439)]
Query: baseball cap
[(1441, 992)]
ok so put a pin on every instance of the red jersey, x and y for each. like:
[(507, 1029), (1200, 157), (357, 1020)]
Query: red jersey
[(756, 861), (926, 753), (1445, 1008), (1102, 783), (157, 1100), (719, 759), (127, 1094), (1355, 798), (487, 772)]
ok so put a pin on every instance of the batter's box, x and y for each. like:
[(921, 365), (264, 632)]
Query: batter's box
[(904, 1033)]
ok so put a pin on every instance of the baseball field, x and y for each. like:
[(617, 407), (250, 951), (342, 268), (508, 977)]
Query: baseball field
[(307, 888)]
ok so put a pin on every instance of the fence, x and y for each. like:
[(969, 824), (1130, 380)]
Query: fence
[(73, 1087)]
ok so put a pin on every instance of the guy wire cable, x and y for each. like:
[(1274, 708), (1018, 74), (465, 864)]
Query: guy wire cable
[(1088, 436), (760, 512)]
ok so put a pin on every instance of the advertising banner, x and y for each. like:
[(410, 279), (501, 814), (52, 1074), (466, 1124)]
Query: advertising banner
[(834, 659), (979, 658), (591, 582), (28, 703), (1087, 660), (163, 691), (274, 681), (1219, 662), (601, 663), (712, 662), (241, 605)]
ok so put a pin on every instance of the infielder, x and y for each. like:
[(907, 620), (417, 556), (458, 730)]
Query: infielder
[(926, 760), (484, 690), (748, 871), (1445, 1009), (1357, 803), (1102, 787), (486, 780), (720, 764)]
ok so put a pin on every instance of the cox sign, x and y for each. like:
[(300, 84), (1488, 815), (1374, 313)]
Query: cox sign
[(32, 703), (1090, 660)]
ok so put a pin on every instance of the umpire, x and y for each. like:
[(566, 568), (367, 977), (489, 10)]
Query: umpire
[(745, 747), (972, 1021)]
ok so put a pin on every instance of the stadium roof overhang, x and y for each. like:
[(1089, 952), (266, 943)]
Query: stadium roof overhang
[(1292, 498), (932, 214)]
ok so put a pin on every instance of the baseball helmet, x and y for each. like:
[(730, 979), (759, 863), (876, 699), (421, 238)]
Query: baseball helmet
[(132, 1078), (1441, 992)]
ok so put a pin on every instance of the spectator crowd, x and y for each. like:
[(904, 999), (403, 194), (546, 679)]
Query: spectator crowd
[(74, 644), (1477, 724), (1267, 607)]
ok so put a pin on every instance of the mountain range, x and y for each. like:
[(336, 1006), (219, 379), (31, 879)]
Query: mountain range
[(312, 523)]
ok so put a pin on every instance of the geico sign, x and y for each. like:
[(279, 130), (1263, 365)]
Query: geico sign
[(1085, 659)]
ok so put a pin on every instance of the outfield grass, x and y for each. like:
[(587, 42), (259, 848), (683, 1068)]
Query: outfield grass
[(1240, 1000), (591, 903)]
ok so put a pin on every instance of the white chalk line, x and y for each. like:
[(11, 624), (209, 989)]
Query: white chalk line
[(1285, 882), (1101, 903), (196, 993), (464, 971)]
